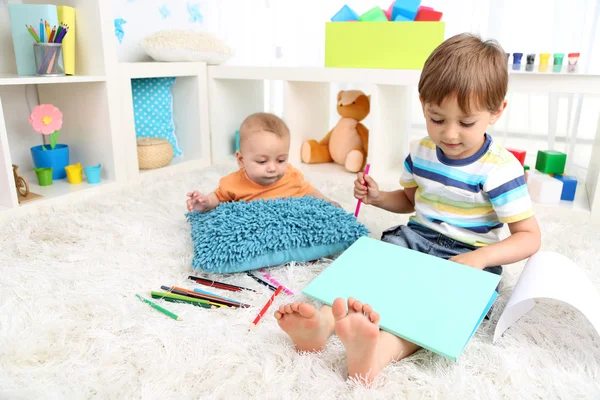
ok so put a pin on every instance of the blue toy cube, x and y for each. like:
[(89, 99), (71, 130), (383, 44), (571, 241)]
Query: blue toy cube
[(402, 18), (569, 186), (345, 14), (407, 8)]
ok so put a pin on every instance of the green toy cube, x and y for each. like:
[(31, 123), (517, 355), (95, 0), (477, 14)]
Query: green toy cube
[(550, 162)]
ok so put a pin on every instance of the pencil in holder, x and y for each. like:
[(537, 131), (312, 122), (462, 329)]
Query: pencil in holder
[(48, 59)]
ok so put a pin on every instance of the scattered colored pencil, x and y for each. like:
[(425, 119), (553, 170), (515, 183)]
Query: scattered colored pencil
[(367, 167), (175, 298), (265, 308), (220, 285), (214, 295), (191, 294), (159, 308), (257, 279), (274, 282)]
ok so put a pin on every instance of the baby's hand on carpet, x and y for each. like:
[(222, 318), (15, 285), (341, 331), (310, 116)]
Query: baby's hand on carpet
[(197, 202), (472, 259)]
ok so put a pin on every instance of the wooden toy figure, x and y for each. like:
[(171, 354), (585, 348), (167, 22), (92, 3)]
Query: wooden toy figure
[(23, 192)]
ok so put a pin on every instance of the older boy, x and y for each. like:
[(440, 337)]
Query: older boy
[(463, 187)]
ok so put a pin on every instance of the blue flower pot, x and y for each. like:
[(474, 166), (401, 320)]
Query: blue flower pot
[(56, 159)]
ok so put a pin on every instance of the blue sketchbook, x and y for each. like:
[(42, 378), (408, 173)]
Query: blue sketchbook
[(435, 303), (28, 14)]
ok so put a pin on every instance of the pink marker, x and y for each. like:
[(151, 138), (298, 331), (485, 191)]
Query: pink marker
[(360, 201), (274, 282)]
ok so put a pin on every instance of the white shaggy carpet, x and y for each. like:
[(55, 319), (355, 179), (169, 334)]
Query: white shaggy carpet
[(71, 328)]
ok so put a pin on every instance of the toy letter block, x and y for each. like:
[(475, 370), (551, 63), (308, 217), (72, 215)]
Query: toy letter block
[(402, 18), (428, 14), (551, 162), (569, 186), (345, 14), (375, 14), (407, 8), (544, 188), (520, 154)]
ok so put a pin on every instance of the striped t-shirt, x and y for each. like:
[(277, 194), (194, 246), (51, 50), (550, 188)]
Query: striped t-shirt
[(468, 200)]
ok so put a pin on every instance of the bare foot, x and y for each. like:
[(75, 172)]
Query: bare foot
[(304, 325), (358, 329)]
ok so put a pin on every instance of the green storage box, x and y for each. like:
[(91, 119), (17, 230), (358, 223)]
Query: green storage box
[(397, 45)]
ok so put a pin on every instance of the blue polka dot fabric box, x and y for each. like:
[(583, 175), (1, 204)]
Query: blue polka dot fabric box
[(153, 109)]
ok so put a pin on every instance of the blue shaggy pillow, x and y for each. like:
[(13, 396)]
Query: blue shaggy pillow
[(242, 236)]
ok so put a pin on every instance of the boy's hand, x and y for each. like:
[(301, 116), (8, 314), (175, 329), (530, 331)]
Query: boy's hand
[(197, 202), (472, 259), (365, 188)]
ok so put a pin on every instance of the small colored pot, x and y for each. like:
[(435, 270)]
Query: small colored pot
[(558, 61), (56, 159), (517, 61), (544, 57), (92, 174), (74, 173), (44, 176), (573, 58), (530, 62)]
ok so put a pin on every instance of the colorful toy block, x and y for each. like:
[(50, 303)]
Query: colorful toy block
[(428, 14), (345, 14), (550, 162), (520, 154), (402, 18), (388, 12), (569, 186), (375, 14), (407, 8), (544, 188)]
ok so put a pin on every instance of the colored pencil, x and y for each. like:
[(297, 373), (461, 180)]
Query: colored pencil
[(175, 298), (220, 285), (213, 294), (274, 282), (188, 293), (42, 30), (368, 166), (210, 297), (51, 39), (62, 35), (58, 31), (257, 279), (159, 308), (47, 27), (33, 33), (264, 309)]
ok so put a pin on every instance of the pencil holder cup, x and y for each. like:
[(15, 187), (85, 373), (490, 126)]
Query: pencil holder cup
[(44, 176), (48, 59), (92, 174), (74, 173)]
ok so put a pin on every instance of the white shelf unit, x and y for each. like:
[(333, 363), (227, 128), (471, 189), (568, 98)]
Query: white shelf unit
[(235, 92), (84, 99), (97, 111), (190, 113)]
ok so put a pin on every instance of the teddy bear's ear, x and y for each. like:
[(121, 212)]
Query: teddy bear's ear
[(340, 95)]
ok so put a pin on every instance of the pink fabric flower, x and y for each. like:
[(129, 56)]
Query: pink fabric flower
[(46, 119)]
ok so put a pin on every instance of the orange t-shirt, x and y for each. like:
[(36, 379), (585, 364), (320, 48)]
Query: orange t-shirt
[(238, 187)]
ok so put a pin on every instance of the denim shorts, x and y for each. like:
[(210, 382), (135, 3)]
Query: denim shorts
[(417, 237)]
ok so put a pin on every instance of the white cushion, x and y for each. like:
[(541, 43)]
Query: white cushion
[(186, 45)]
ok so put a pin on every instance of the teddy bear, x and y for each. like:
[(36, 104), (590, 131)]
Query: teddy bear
[(347, 143)]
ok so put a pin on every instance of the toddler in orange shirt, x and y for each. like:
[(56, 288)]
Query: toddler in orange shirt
[(264, 170)]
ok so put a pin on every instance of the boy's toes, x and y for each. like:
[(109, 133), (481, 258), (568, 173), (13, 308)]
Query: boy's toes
[(338, 309)]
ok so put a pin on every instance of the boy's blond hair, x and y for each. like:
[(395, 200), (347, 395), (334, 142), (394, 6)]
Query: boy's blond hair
[(464, 66), (262, 121)]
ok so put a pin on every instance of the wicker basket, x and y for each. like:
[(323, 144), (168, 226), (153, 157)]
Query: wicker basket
[(154, 153)]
